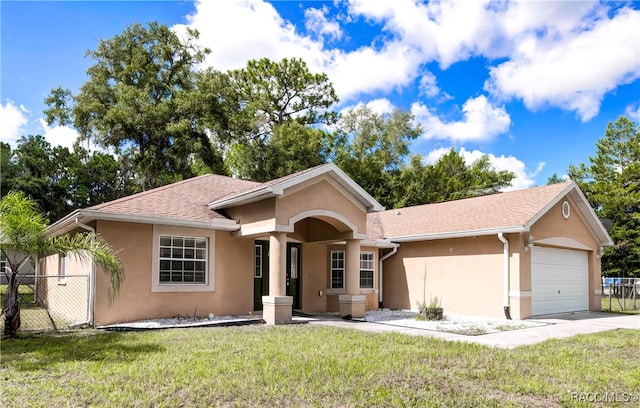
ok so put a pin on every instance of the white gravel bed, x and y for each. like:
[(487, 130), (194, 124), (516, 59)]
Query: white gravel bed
[(176, 322), (450, 323)]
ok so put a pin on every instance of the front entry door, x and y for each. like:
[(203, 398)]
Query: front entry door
[(260, 273), (293, 273)]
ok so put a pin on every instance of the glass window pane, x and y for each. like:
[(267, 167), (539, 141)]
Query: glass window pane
[(182, 259)]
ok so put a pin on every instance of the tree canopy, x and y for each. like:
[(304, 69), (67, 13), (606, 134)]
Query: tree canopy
[(61, 180), (136, 100)]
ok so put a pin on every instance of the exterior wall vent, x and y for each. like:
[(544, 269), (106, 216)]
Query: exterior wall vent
[(566, 210)]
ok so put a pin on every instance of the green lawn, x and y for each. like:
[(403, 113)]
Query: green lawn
[(304, 365), (24, 291), (617, 304)]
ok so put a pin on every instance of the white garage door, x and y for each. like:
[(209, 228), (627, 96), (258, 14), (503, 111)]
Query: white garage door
[(559, 281)]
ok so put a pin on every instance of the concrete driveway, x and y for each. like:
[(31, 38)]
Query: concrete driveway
[(558, 326)]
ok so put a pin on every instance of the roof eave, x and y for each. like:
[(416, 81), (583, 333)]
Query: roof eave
[(68, 223), (247, 197), (458, 234)]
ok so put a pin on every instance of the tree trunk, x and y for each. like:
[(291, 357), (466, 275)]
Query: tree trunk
[(12, 306)]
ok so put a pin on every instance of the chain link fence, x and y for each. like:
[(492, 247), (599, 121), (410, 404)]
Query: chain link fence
[(51, 303), (620, 294)]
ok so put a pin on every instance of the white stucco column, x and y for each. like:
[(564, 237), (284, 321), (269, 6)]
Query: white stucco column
[(352, 303), (277, 307), (352, 267)]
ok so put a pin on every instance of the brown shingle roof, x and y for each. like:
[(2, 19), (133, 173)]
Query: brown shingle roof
[(503, 210), (186, 199)]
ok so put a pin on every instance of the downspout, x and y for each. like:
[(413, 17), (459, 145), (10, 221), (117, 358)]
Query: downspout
[(90, 299), (505, 276), (393, 251)]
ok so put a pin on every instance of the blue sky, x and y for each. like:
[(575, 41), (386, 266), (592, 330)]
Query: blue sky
[(532, 84)]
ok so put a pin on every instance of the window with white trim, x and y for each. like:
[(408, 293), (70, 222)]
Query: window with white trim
[(367, 267), (257, 271), (337, 269), (183, 259)]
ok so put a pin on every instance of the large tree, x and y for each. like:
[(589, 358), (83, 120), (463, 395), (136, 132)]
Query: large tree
[(611, 183), (279, 107), (23, 237), (372, 147), (60, 180), (141, 99)]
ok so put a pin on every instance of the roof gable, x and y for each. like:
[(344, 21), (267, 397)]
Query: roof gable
[(276, 188)]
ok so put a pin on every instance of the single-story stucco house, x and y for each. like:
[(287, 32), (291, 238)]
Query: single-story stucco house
[(315, 241)]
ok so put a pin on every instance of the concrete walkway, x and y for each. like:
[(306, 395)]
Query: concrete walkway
[(558, 326)]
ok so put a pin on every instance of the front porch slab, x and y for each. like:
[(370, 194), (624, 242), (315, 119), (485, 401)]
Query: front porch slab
[(352, 305), (277, 309)]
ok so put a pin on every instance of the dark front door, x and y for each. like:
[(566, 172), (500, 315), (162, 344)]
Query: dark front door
[(260, 273), (293, 273)]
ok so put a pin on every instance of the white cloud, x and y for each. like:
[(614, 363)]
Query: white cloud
[(567, 54), (524, 177), (12, 121), (633, 112), (238, 31), (242, 30), (317, 22), (575, 72), (481, 121), (59, 135), (428, 85)]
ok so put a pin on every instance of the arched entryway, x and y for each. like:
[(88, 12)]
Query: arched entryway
[(280, 270)]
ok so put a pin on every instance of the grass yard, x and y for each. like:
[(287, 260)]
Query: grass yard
[(24, 291), (617, 305), (307, 366)]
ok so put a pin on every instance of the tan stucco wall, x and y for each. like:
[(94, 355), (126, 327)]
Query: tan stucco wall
[(254, 212), (465, 274), (553, 225), (314, 278), (233, 276)]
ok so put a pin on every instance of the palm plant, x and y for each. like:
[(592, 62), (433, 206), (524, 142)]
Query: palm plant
[(23, 237)]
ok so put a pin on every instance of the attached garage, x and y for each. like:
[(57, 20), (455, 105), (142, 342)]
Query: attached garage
[(559, 280)]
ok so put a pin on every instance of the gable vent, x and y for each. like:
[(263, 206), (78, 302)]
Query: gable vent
[(566, 210)]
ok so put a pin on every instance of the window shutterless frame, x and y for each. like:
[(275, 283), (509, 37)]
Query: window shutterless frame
[(183, 259), (337, 269)]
